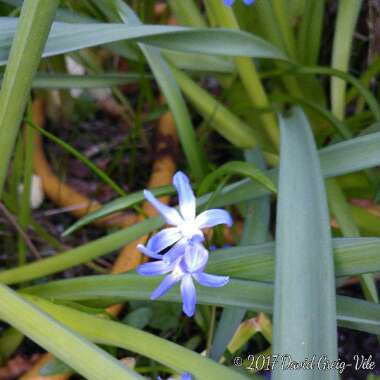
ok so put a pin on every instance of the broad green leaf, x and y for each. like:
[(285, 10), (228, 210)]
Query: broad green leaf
[(256, 296), (117, 334), (256, 262), (83, 356), (304, 303), (66, 37)]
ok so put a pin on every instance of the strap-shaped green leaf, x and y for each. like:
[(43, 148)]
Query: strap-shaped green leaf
[(304, 303), (66, 37), (121, 335), (104, 290), (80, 354)]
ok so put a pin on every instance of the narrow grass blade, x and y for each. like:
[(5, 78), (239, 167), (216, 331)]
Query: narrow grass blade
[(304, 305), (83, 356), (29, 40), (98, 172)]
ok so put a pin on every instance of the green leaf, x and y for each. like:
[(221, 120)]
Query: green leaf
[(55, 367), (251, 295), (256, 223), (100, 173), (348, 13), (117, 334), (355, 154), (342, 158), (256, 262), (66, 81), (139, 318), (66, 37), (304, 304), (83, 356), (236, 167), (169, 87), (27, 45)]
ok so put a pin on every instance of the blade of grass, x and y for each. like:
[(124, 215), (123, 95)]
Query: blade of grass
[(304, 282), (98, 172), (81, 355), (29, 40)]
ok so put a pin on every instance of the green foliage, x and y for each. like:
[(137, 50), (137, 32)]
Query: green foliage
[(241, 69)]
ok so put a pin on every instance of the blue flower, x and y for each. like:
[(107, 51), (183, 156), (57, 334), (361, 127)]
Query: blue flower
[(185, 376), (187, 226), (186, 267), (246, 2)]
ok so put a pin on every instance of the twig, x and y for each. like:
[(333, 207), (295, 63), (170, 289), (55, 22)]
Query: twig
[(13, 221)]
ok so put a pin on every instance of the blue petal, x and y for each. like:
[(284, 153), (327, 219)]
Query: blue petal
[(164, 239), (195, 258), (186, 196), (211, 280), (170, 214), (186, 376), (147, 252), (213, 217), (189, 296), (176, 251), (228, 2), (167, 283), (155, 268), (249, 2)]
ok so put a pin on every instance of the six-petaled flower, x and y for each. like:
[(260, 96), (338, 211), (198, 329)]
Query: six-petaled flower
[(187, 226), (179, 250), (184, 269)]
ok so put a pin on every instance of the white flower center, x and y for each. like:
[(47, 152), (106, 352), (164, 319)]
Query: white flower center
[(189, 229)]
